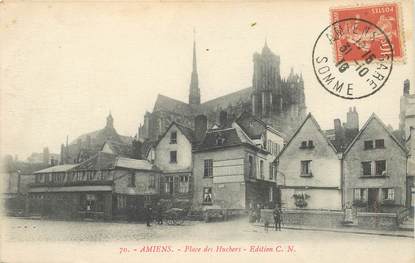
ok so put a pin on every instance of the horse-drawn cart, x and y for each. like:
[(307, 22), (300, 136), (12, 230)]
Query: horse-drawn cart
[(174, 216)]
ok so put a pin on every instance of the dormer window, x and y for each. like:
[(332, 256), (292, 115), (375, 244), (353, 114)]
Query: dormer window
[(310, 144), (303, 145), (220, 140), (173, 137)]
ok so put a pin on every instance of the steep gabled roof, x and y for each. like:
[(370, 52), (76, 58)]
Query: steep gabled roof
[(311, 117), (164, 103), (374, 117), (187, 132), (234, 136), (100, 161), (118, 148), (224, 101), (247, 116)]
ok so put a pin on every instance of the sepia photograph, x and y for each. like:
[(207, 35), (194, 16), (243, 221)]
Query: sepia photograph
[(226, 131)]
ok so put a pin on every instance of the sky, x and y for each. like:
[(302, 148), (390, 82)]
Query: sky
[(65, 66)]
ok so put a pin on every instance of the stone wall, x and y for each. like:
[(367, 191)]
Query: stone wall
[(377, 220), (333, 219)]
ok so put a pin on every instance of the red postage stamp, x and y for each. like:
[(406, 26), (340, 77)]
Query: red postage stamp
[(385, 18)]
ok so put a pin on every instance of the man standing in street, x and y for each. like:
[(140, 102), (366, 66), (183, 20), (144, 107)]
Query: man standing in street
[(148, 215), (277, 218)]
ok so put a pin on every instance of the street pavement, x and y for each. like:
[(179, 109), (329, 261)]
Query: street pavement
[(34, 240), (20, 229)]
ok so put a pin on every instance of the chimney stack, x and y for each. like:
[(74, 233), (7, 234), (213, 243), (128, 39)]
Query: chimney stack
[(200, 127), (223, 119), (339, 133)]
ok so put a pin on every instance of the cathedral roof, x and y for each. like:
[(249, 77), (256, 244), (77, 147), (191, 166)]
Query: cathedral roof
[(223, 102), (164, 103)]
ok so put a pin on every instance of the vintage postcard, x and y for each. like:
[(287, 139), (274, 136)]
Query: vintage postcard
[(218, 131)]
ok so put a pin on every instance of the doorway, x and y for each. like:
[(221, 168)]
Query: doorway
[(373, 199)]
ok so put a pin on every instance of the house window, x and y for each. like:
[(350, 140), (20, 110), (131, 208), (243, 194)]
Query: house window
[(388, 194), (184, 184), (173, 137), (379, 144), (173, 157), (306, 168), (271, 194), (271, 171), (131, 180), (380, 168), (250, 166), (368, 145), (303, 145), (367, 168), (168, 185), (310, 144), (261, 169), (360, 194), (207, 195), (208, 169), (151, 182)]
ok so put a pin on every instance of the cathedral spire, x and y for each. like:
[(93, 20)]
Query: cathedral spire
[(110, 121), (194, 95)]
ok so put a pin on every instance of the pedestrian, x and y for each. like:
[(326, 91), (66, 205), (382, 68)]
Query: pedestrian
[(279, 218), (159, 217), (148, 215), (266, 224), (258, 213), (277, 214)]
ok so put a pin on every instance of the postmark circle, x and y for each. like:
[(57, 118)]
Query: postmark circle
[(352, 58)]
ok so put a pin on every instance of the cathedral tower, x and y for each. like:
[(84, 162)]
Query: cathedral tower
[(194, 94), (265, 83)]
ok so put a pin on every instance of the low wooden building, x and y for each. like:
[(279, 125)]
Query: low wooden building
[(105, 186)]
